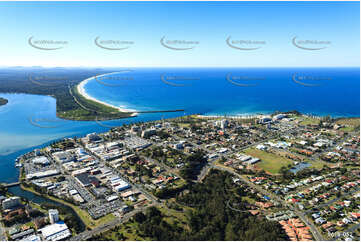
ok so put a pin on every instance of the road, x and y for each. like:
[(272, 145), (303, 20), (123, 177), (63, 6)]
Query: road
[(146, 193), (316, 234), (165, 167), (104, 227), (347, 232), (331, 148), (205, 169), (356, 189), (301, 214)]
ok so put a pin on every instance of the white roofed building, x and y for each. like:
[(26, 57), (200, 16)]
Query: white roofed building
[(55, 232)]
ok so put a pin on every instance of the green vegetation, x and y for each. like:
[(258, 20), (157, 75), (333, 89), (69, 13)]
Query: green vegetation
[(204, 215), (170, 158), (194, 163), (3, 101), (83, 215), (309, 121), (351, 124), (269, 162), (287, 176), (120, 233), (68, 215), (317, 164), (59, 83), (89, 110)]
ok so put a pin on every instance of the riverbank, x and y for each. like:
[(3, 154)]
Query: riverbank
[(82, 214), (89, 110)]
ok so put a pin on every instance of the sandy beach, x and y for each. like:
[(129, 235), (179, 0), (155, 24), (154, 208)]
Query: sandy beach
[(82, 92)]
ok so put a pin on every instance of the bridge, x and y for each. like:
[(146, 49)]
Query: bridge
[(10, 184)]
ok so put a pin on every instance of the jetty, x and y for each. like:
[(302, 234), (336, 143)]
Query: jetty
[(13, 184)]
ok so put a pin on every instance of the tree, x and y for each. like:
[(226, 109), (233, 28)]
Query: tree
[(140, 217)]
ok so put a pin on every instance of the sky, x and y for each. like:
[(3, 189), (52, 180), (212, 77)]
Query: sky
[(260, 34)]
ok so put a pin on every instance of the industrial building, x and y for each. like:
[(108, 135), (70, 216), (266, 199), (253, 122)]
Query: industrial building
[(56, 231)]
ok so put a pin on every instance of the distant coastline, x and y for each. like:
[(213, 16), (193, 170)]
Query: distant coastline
[(83, 93)]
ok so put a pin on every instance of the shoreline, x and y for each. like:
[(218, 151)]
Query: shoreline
[(25, 150), (83, 93)]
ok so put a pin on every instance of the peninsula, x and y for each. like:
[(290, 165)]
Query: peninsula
[(62, 84)]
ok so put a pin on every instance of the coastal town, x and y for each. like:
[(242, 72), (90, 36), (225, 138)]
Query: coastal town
[(299, 171)]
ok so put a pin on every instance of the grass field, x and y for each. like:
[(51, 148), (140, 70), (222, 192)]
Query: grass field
[(128, 230), (349, 121), (316, 164), (309, 121), (269, 162), (184, 125), (351, 124)]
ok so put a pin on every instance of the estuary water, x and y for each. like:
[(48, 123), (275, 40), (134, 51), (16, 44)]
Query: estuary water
[(30, 121)]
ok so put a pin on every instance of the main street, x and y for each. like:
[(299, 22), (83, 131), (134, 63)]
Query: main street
[(301, 214), (146, 193)]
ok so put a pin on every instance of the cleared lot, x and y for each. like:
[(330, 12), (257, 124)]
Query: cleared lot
[(269, 162)]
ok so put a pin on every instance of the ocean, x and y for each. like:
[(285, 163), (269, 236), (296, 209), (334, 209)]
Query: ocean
[(233, 91), (29, 121)]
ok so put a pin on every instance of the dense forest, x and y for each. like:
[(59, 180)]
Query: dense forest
[(207, 216), (193, 164), (58, 83)]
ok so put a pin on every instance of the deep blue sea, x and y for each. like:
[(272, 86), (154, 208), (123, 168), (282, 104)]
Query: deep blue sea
[(29, 121), (233, 91)]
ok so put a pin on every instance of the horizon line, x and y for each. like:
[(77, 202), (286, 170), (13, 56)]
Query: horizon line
[(35, 66)]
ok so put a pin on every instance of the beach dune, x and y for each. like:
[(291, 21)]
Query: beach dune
[(81, 91)]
